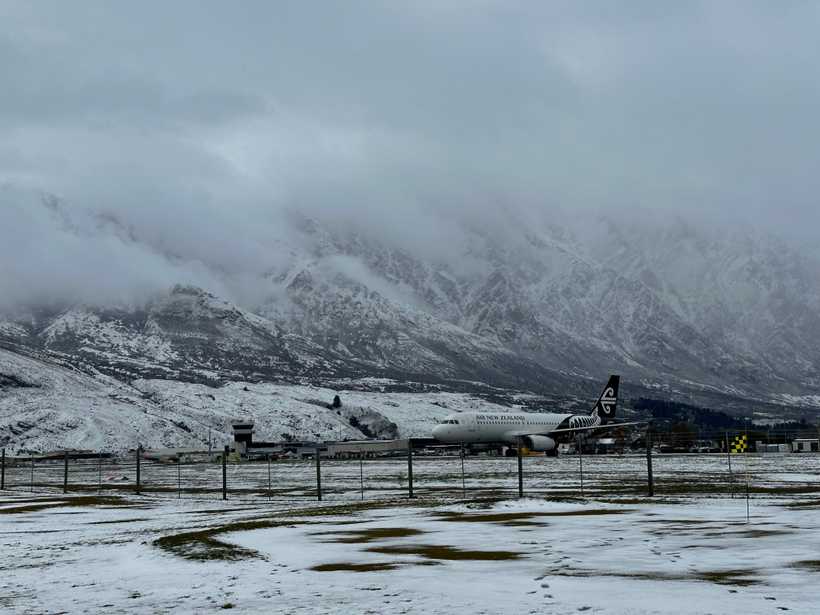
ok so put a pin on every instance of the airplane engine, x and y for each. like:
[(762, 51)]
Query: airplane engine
[(540, 444)]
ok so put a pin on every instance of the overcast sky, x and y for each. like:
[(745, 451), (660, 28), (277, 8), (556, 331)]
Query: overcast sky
[(195, 123)]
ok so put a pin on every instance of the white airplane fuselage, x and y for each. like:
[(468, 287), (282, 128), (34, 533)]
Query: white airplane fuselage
[(539, 431), (480, 427)]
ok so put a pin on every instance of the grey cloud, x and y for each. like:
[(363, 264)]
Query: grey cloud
[(195, 124)]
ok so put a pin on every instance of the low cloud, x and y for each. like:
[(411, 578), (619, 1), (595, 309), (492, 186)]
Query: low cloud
[(177, 136)]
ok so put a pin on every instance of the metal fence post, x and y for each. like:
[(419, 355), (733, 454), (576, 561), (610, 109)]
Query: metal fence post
[(649, 477), (410, 468), (729, 459), (225, 472), (361, 473), (520, 469), (139, 450), (318, 474), (580, 461), (463, 482), (65, 473), (3, 471)]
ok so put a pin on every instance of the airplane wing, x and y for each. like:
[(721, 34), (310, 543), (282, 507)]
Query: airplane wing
[(516, 433), (603, 427)]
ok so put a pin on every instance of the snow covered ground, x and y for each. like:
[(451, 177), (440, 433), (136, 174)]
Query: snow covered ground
[(60, 407), (681, 552)]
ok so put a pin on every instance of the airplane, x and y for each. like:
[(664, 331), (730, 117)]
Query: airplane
[(538, 432)]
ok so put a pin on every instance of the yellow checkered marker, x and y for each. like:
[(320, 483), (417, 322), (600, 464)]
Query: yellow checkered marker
[(740, 444)]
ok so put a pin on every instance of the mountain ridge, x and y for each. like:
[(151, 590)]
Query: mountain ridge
[(729, 319)]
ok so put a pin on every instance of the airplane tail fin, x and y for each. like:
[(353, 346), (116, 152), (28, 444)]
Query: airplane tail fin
[(605, 406)]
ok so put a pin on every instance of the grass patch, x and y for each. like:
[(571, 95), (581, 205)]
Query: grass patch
[(523, 518), (803, 504), (739, 578), (349, 567), (807, 564), (117, 521), (444, 552), (370, 535), (73, 502), (202, 545)]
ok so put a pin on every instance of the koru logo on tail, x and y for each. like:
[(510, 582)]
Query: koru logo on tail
[(608, 401)]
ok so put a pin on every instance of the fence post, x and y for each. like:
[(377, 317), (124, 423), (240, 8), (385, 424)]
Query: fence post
[(520, 469), (580, 460), (731, 476), (3, 471), (139, 451), (65, 473), (225, 472), (463, 483), (361, 473), (318, 474), (410, 468), (649, 477)]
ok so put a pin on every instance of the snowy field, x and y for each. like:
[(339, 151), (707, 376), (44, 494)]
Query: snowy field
[(687, 550)]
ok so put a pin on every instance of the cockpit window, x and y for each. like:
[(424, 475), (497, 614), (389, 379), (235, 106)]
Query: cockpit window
[(449, 422)]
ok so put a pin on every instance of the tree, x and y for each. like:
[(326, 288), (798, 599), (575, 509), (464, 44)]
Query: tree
[(337, 402)]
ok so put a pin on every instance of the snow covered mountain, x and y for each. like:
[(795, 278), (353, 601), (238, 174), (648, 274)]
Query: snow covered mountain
[(45, 407), (664, 303), (728, 318)]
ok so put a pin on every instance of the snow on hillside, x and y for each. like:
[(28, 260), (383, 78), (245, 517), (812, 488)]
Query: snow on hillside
[(284, 411), (45, 407)]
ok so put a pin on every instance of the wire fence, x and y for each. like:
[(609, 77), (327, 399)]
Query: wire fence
[(416, 475)]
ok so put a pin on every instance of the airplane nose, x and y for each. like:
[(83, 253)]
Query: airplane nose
[(438, 431)]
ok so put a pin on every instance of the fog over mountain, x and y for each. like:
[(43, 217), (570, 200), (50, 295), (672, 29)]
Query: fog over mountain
[(475, 191)]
